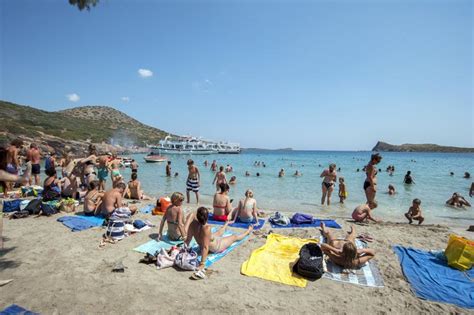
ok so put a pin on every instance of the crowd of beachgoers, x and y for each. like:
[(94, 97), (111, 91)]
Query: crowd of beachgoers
[(84, 179)]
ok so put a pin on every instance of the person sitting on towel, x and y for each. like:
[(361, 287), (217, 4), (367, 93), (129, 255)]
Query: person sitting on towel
[(344, 252), (246, 211), (208, 241), (174, 216), (93, 198), (134, 190), (221, 203), (113, 200)]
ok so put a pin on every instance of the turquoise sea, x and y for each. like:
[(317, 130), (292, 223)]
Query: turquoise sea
[(433, 183)]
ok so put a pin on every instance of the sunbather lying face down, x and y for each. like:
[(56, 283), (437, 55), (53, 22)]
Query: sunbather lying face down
[(344, 252), (208, 241)]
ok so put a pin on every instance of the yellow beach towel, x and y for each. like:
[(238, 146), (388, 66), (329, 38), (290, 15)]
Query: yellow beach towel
[(274, 260)]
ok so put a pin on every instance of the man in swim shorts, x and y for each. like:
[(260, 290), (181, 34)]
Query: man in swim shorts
[(33, 155), (193, 180)]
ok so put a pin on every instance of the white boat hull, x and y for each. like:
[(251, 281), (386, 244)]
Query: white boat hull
[(188, 152)]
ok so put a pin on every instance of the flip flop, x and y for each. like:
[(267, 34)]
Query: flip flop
[(199, 275), (365, 238)]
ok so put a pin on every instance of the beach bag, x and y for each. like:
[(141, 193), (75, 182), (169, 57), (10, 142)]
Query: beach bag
[(115, 230), (165, 259), (301, 218), (47, 209), (186, 259), (279, 219), (460, 252), (11, 205), (34, 206), (139, 224), (165, 202), (310, 263), (51, 194)]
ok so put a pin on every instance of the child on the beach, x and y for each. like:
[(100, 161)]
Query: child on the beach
[(342, 190), (414, 213), (363, 212)]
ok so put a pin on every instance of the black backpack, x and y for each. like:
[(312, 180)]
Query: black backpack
[(310, 263), (34, 206)]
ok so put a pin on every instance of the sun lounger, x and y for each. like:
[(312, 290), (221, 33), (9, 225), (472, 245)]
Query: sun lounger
[(432, 279)]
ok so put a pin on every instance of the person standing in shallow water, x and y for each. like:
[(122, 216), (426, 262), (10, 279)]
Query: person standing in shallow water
[(370, 183), (193, 181), (328, 183), (168, 169)]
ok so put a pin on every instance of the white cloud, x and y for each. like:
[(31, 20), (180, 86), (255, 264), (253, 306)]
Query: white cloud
[(145, 73), (125, 99), (73, 97)]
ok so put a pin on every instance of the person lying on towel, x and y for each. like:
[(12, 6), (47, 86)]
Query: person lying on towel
[(344, 252), (208, 241)]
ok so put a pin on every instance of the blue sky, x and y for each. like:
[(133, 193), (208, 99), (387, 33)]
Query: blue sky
[(304, 74)]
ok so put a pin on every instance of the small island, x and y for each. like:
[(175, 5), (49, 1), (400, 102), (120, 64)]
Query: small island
[(386, 147)]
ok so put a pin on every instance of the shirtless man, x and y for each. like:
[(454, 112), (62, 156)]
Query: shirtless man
[(134, 166), (34, 156), (113, 200), (168, 169), (328, 183), (193, 181)]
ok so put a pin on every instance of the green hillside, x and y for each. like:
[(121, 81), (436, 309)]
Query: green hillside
[(95, 123)]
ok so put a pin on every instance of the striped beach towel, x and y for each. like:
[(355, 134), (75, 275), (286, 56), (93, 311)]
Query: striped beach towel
[(368, 275)]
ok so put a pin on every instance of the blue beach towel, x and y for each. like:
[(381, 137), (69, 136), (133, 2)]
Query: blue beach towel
[(79, 223), (147, 209), (16, 310), (152, 246), (432, 279), (214, 257), (237, 224), (316, 223)]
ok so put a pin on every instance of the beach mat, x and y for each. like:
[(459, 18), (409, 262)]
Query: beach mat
[(80, 223), (237, 224), (368, 275), (152, 246), (315, 223), (147, 209), (432, 279), (274, 260), (16, 310), (214, 257)]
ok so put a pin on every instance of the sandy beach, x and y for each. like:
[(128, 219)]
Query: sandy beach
[(56, 271)]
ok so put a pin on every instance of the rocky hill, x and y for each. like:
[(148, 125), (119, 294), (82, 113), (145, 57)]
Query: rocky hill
[(386, 147), (75, 127)]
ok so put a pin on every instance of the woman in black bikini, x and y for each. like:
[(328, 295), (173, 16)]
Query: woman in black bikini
[(329, 180), (370, 183)]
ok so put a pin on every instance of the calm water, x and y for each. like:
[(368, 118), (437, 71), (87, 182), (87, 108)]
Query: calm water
[(430, 171)]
